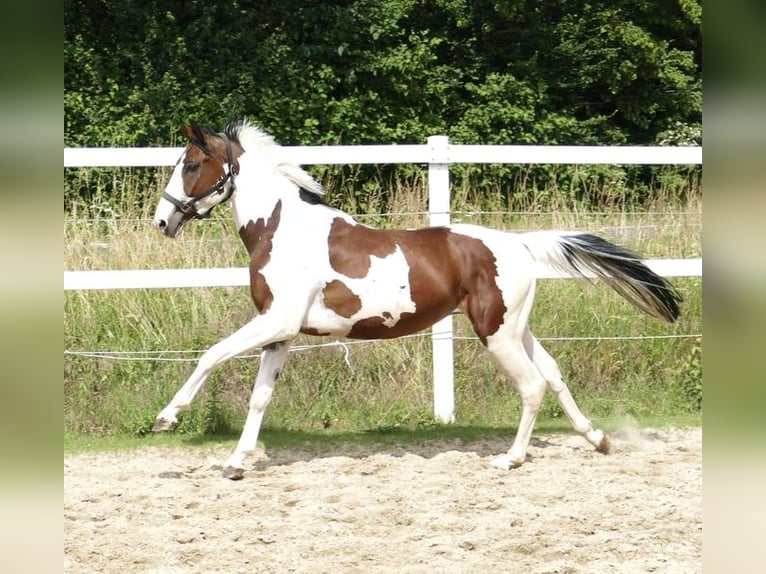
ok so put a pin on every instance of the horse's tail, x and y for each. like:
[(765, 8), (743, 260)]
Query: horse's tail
[(585, 256)]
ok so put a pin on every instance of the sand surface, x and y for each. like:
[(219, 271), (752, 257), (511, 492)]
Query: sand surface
[(437, 507)]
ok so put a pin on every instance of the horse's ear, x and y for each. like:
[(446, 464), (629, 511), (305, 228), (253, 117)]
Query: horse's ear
[(193, 131), (187, 130), (196, 136), (199, 133)]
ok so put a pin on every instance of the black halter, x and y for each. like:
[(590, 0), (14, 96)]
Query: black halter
[(188, 207)]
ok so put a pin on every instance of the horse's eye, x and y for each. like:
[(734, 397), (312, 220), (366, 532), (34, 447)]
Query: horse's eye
[(191, 167)]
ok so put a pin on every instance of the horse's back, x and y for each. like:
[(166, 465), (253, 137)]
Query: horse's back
[(390, 283)]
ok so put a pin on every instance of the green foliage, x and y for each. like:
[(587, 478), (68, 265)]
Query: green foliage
[(385, 71), (625, 63), (689, 379)]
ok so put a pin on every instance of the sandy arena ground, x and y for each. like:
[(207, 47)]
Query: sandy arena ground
[(439, 507)]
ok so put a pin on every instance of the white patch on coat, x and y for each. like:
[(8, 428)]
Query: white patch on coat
[(174, 187), (384, 292)]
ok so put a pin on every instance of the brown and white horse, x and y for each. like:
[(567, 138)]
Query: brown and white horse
[(315, 270)]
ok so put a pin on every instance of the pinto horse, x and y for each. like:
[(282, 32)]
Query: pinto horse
[(315, 270)]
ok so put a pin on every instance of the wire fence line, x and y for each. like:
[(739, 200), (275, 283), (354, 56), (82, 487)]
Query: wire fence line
[(79, 220), (615, 229), (159, 356), (521, 229)]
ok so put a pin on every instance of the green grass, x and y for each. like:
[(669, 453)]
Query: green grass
[(386, 387)]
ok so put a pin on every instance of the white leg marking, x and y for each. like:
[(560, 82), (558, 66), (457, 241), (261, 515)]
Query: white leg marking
[(260, 332), (513, 358), (552, 374), (272, 360), (507, 347)]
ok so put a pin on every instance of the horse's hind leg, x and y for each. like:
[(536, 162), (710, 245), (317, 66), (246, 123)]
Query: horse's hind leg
[(552, 374), (505, 344), (510, 354)]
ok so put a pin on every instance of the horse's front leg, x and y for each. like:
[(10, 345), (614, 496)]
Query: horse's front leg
[(272, 359), (260, 332)]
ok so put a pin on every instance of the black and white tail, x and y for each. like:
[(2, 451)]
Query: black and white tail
[(584, 255)]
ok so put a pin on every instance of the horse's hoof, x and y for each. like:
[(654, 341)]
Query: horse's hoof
[(161, 425), (233, 473), (605, 446), (504, 462)]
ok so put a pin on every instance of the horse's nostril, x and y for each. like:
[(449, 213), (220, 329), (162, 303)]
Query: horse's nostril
[(162, 224)]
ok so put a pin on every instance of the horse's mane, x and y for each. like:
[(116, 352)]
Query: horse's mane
[(252, 138)]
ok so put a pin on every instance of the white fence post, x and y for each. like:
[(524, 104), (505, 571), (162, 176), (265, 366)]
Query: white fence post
[(441, 332)]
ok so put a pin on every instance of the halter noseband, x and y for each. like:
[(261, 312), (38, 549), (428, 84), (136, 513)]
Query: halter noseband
[(188, 207)]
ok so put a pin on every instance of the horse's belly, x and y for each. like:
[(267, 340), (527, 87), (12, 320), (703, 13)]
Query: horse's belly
[(338, 310), (389, 313), (323, 321), (373, 326)]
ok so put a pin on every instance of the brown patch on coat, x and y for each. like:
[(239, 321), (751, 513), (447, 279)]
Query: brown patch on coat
[(341, 299), (351, 247), (447, 271), (313, 332), (374, 327), (258, 239), (482, 300)]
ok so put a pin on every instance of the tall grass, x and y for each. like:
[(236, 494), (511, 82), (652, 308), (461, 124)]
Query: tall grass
[(370, 385)]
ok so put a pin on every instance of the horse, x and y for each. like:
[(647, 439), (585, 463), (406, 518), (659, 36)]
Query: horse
[(316, 270)]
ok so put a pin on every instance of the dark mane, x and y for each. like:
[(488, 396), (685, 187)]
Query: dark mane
[(310, 197), (234, 127), (200, 134)]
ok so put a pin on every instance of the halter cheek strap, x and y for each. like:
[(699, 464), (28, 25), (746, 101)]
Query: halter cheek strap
[(189, 208)]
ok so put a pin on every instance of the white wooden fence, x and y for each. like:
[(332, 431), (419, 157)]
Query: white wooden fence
[(438, 153)]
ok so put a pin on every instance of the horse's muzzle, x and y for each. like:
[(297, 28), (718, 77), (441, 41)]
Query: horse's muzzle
[(171, 226)]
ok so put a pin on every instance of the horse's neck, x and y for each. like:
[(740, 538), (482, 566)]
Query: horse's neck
[(243, 209), (256, 197), (281, 209)]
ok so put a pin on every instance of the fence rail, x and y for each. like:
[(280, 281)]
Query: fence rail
[(239, 276), (438, 153), (449, 153)]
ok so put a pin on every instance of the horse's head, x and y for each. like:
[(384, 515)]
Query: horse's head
[(203, 178)]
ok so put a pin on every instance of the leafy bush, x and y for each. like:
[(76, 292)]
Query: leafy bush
[(690, 379), (386, 71)]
